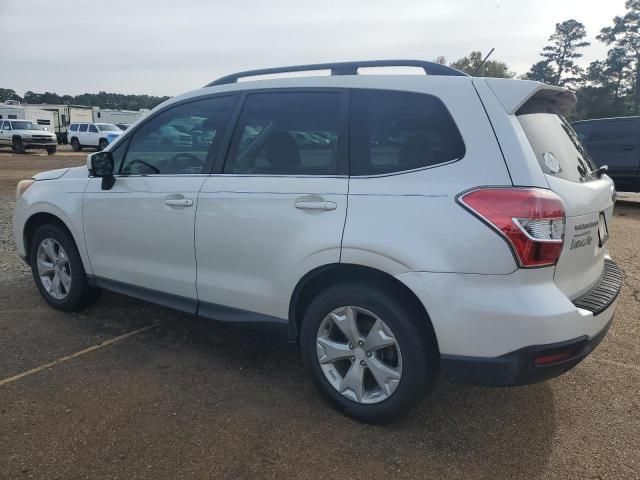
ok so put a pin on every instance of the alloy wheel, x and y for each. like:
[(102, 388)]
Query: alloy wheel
[(53, 268), (359, 355)]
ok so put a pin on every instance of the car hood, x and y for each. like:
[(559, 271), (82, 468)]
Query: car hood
[(51, 174), (74, 172), (34, 132)]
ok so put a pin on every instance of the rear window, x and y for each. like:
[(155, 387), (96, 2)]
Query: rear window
[(555, 143), (399, 131), (74, 127)]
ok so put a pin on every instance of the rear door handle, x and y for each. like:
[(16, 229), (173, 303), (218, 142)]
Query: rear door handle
[(178, 202), (627, 148), (304, 205)]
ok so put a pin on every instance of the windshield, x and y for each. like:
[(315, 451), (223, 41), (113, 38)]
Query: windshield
[(555, 143), (108, 127), (26, 125)]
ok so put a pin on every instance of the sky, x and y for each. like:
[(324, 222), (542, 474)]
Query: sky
[(165, 47)]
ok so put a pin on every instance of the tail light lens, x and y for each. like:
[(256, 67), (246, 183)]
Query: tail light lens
[(532, 221)]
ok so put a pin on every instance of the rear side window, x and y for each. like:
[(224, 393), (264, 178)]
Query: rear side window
[(74, 127), (398, 131), (583, 130), (286, 134), (555, 143), (83, 127), (611, 131)]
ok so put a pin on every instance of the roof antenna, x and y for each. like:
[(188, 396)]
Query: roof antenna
[(477, 70)]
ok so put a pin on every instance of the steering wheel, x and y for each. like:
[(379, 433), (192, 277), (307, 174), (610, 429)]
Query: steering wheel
[(153, 168), (184, 161)]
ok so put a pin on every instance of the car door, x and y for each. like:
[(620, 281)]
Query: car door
[(616, 143), (92, 135), (276, 209), (140, 233), (5, 132), (82, 133)]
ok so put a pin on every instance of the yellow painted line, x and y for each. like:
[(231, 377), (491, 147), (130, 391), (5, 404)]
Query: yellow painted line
[(77, 354)]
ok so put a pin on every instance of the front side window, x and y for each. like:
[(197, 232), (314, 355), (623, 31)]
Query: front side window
[(7, 126), (286, 134), (93, 129), (399, 131), (179, 140), (83, 127)]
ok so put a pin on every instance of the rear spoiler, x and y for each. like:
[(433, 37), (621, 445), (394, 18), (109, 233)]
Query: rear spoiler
[(514, 94)]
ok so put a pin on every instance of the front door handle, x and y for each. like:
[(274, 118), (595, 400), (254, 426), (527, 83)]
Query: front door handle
[(304, 205), (179, 202)]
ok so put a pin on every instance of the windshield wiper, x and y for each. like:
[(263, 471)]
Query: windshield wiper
[(598, 172)]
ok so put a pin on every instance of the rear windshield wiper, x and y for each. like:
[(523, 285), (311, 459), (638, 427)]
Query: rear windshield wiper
[(598, 172)]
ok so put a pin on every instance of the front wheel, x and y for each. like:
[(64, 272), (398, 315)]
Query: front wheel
[(18, 146), (102, 145), (366, 351), (52, 150), (58, 271)]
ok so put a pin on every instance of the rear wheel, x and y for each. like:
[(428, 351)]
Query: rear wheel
[(58, 271), (102, 144), (18, 146), (51, 150), (366, 353), (75, 145)]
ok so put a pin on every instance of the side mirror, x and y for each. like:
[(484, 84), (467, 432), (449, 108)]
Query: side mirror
[(102, 166)]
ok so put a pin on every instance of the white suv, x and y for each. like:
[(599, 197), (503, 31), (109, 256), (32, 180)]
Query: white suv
[(97, 135), (23, 134), (438, 223)]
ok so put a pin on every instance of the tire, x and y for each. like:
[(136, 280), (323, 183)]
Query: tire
[(75, 145), (76, 294), (18, 146), (417, 359), (102, 144), (52, 150)]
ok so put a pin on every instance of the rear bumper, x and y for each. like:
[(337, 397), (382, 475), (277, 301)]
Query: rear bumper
[(519, 367), (491, 329), (537, 363)]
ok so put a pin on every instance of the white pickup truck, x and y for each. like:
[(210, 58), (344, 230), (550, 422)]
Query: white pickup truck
[(23, 134)]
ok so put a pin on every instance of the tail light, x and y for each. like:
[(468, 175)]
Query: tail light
[(530, 219)]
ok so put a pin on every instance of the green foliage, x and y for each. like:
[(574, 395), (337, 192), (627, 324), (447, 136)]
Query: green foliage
[(561, 54), (102, 100), (8, 94), (624, 34), (472, 64)]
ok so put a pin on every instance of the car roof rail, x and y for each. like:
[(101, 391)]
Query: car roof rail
[(343, 68)]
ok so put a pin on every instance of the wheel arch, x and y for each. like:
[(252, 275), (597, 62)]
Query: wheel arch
[(321, 277), (38, 219)]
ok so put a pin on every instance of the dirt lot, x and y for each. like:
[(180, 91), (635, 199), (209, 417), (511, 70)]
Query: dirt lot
[(182, 398)]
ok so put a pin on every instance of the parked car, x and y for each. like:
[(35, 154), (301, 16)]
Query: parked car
[(614, 142), (23, 134), (96, 135), (472, 246)]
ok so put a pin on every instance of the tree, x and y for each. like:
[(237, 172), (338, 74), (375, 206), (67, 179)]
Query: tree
[(562, 52), (472, 64), (542, 72), (625, 34), (9, 94)]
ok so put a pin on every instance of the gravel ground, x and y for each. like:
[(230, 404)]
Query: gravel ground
[(191, 399)]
